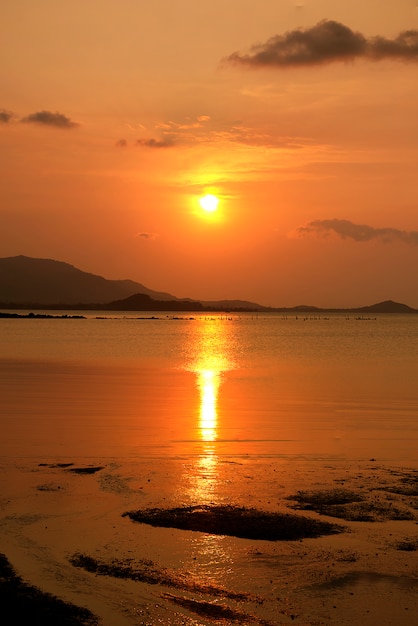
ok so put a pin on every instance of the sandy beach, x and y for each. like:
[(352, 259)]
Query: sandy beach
[(64, 529)]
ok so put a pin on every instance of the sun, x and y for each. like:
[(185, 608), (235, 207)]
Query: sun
[(209, 203)]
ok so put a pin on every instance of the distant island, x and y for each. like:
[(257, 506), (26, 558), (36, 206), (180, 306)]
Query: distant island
[(148, 304), (44, 284), (42, 316)]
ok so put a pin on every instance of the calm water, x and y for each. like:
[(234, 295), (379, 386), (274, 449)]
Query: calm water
[(265, 386)]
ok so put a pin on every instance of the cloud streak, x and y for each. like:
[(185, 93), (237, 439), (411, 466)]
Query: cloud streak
[(147, 236), (327, 42), (155, 143), (358, 232), (5, 116), (48, 118)]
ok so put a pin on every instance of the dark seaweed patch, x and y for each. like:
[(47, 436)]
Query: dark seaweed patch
[(404, 489), (49, 487), (213, 611), (349, 505), (236, 522), (85, 470), (24, 604), (313, 500), (148, 572), (408, 545)]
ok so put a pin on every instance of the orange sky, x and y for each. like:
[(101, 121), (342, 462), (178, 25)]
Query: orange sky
[(115, 117)]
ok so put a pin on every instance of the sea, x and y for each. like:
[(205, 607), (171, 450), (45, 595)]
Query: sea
[(268, 385)]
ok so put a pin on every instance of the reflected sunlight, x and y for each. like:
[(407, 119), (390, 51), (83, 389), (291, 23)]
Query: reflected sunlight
[(208, 384), (207, 475), (210, 350), (211, 554), (209, 356)]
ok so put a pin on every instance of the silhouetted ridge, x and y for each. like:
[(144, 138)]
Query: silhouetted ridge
[(387, 306), (29, 283), (25, 280), (143, 302)]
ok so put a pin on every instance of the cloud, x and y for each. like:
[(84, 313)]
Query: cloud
[(205, 130), (148, 236), (217, 133), (48, 118), (121, 143), (358, 232), (327, 42), (187, 124), (155, 143), (5, 116)]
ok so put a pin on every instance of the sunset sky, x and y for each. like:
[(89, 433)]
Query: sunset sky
[(301, 117)]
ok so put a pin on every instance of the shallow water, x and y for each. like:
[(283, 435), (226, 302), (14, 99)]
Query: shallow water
[(331, 387)]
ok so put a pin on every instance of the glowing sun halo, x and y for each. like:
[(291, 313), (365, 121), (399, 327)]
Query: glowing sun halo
[(209, 203)]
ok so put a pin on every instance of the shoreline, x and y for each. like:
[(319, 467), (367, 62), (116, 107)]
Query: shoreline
[(52, 510)]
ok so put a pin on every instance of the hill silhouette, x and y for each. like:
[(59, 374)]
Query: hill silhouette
[(143, 302), (388, 306), (26, 280)]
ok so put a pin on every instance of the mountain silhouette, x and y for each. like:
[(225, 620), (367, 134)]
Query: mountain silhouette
[(387, 306), (143, 302), (26, 280)]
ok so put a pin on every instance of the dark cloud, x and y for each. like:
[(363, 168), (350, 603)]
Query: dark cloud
[(327, 42), (358, 232), (5, 116), (48, 118), (155, 143), (121, 143)]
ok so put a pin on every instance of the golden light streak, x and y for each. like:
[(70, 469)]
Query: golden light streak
[(208, 384)]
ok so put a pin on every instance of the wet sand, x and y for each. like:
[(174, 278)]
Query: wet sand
[(130, 541)]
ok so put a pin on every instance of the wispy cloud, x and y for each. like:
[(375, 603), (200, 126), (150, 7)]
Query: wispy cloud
[(147, 236), (184, 125), (177, 133), (327, 42), (203, 130), (48, 118), (358, 232), (156, 143), (5, 116)]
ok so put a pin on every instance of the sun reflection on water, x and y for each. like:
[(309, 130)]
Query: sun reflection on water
[(209, 357), (208, 382)]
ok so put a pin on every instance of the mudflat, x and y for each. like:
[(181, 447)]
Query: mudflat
[(194, 540)]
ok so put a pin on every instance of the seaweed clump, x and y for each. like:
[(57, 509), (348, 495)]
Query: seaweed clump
[(146, 571), (408, 545), (349, 505), (85, 470), (245, 523), (25, 604), (213, 611)]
